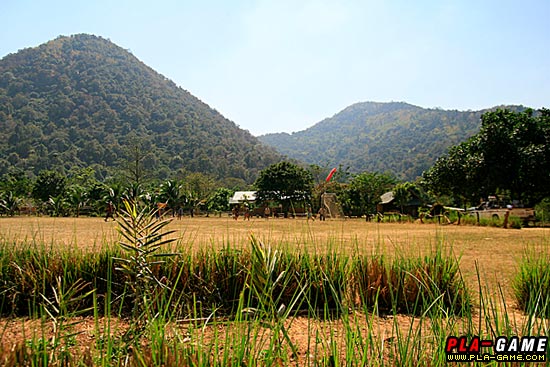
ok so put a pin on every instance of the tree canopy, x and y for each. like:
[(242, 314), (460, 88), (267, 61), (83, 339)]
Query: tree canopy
[(364, 191), (284, 182), (510, 154)]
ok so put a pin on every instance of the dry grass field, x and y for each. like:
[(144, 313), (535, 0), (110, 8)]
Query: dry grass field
[(496, 250)]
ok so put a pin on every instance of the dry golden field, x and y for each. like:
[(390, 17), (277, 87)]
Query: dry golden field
[(496, 250)]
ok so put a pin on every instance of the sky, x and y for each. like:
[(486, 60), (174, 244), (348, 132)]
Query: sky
[(284, 65)]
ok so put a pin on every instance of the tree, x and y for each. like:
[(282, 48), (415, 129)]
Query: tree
[(366, 188), (171, 192), (284, 182), (402, 194), (80, 184), (49, 184), (219, 200), (511, 153), (317, 172), (458, 174), (198, 187), (76, 198), (57, 206), (114, 193), (133, 169), (16, 181)]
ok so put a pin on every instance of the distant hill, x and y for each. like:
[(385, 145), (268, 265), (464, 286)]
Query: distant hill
[(83, 101), (391, 137)]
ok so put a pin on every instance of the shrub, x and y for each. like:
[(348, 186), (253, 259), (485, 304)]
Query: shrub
[(542, 210), (515, 222), (411, 286), (532, 285)]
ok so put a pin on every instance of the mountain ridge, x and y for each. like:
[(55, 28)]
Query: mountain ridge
[(392, 137), (81, 100)]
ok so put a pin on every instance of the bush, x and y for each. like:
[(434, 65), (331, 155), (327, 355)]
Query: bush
[(542, 210), (515, 222), (411, 286), (532, 285)]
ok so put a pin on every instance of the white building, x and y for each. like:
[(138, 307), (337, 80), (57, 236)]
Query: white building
[(243, 197)]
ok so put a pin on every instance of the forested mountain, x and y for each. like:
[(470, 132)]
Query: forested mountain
[(83, 101), (395, 137)]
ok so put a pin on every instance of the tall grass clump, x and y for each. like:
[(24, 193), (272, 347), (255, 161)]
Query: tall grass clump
[(411, 286), (208, 280), (327, 279), (436, 284), (532, 284), (63, 312), (30, 272)]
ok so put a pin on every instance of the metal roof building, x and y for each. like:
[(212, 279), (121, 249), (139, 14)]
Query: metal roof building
[(243, 196)]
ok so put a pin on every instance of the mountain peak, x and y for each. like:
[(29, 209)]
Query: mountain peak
[(81, 100), (373, 108)]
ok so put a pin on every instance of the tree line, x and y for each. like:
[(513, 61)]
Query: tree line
[(288, 184), (80, 193), (509, 156)]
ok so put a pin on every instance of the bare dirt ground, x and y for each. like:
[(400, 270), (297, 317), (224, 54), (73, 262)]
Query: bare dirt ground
[(494, 251)]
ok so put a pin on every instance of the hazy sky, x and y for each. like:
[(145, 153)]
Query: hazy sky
[(284, 65)]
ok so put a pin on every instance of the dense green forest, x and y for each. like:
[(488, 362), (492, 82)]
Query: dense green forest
[(397, 138), (509, 156), (82, 101)]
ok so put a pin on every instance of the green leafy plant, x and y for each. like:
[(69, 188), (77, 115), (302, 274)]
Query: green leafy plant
[(267, 284), (143, 238), (57, 206), (9, 203), (63, 311)]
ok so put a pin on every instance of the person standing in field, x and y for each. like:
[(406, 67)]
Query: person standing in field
[(110, 211), (309, 213), (246, 212), (267, 212), (322, 213)]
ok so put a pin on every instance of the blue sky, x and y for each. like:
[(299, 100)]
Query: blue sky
[(284, 65)]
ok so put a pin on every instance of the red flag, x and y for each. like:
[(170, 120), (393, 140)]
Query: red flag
[(330, 174)]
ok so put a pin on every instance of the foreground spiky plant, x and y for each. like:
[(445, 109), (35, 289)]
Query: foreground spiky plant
[(267, 283), (63, 312), (143, 237)]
